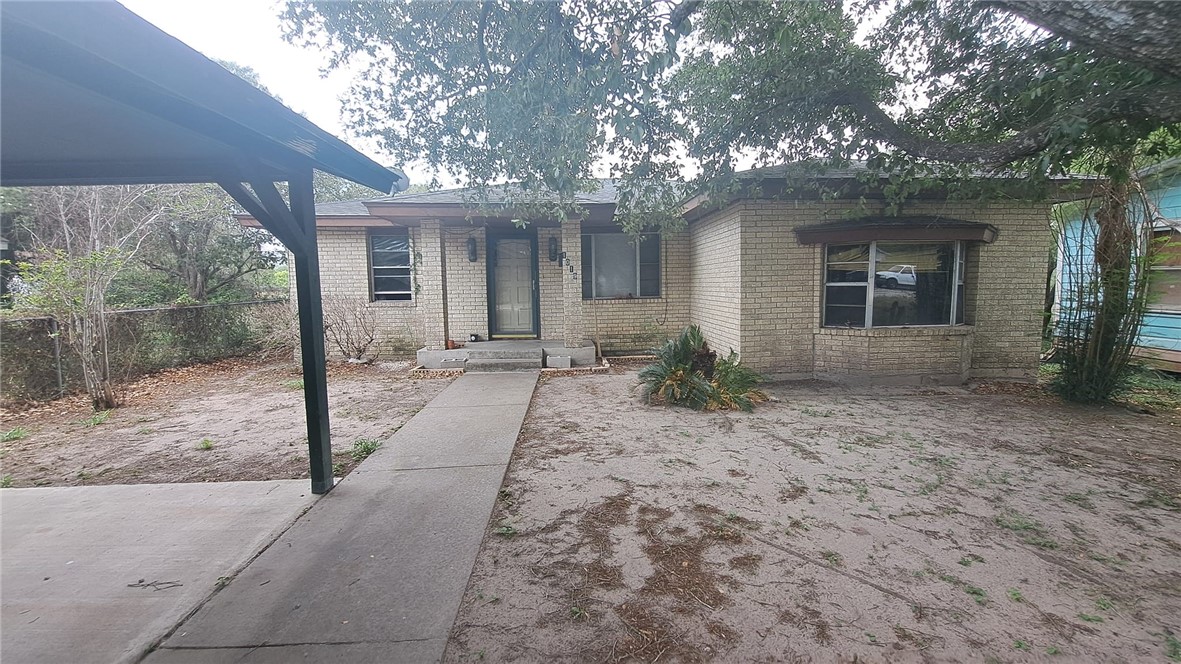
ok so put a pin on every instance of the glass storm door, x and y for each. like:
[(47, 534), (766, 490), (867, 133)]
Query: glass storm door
[(512, 277)]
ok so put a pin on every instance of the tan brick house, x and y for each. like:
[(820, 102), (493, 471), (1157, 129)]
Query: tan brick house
[(799, 285)]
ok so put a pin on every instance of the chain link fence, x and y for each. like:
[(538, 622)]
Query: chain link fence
[(36, 366)]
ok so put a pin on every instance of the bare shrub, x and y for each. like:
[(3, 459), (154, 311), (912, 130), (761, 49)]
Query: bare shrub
[(351, 325)]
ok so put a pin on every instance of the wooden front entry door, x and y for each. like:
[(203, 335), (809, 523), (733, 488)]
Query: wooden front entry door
[(513, 287)]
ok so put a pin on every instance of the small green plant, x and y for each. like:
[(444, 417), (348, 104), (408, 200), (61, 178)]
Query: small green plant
[(296, 384), (688, 373), (1021, 645), (99, 417), (977, 594), (833, 558), (205, 445), (83, 475), (6, 482), (1086, 617), (15, 433), (1172, 646), (1015, 595), (1034, 533), (1083, 500), (1053, 650), (506, 530), (578, 613), (338, 469), (967, 560), (363, 447), (1103, 604)]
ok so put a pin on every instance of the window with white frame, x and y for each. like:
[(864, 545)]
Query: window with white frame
[(616, 265), (891, 284), (1164, 277), (390, 265)]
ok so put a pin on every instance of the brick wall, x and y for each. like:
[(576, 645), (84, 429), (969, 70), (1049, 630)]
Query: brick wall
[(550, 278), (467, 283), (765, 301), (641, 324), (715, 291), (344, 282)]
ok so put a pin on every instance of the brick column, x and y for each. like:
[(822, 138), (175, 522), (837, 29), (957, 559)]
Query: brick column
[(431, 284), (573, 330)]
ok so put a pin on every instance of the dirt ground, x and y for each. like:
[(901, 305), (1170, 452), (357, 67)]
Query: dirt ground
[(226, 421), (831, 525)]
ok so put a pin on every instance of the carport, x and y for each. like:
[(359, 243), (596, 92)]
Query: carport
[(91, 94)]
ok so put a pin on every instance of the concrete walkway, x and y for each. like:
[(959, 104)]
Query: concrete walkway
[(100, 573), (376, 570)]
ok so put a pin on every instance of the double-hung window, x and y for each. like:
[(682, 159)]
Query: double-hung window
[(890, 284), (616, 265), (1164, 279), (390, 265)]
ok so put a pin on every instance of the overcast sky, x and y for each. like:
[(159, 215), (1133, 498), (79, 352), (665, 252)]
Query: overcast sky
[(247, 32)]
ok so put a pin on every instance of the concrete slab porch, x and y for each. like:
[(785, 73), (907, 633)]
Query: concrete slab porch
[(99, 573), (508, 352)]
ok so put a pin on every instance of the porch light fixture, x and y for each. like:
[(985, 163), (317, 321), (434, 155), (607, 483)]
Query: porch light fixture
[(553, 249), (472, 256)]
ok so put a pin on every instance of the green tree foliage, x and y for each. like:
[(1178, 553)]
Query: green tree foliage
[(541, 92)]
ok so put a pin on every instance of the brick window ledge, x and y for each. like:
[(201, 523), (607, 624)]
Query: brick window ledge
[(393, 303)]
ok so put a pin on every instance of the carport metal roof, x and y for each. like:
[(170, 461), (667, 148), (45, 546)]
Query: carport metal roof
[(92, 94)]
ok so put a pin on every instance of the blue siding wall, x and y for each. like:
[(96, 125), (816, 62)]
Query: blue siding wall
[(1160, 329)]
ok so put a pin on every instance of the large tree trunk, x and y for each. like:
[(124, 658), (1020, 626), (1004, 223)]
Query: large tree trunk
[(1146, 33)]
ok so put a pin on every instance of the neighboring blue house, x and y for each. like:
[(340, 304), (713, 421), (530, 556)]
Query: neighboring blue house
[(1159, 341)]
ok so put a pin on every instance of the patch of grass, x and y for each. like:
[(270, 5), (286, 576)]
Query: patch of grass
[(296, 384), (6, 482), (15, 433), (1159, 499), (83, 475), (338, 469), (1053, 650), (144, 431), (967, 560), (206, 444), (363, 447), (1033, 532), (1021, 645), (1086, 617), (578, 613), (506, 530), (1172, 646), (1015, 595), (1083, 500), (1151, 389), (1103, 604), (99, 417), (833, 558), (977, 594)]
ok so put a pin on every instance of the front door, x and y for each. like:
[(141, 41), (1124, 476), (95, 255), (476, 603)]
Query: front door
[(512, 287)]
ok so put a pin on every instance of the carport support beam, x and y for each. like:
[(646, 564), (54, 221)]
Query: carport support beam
[(311, 333)]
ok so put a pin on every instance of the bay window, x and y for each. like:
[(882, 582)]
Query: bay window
[(892, 284)]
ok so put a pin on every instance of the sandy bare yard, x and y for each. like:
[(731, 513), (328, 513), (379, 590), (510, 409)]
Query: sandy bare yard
[(900, 525), (220, 422)]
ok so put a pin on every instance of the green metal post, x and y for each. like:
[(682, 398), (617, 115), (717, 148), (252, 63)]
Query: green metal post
[(311, 334)]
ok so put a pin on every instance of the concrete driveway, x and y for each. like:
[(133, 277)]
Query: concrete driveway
[(99, 574)]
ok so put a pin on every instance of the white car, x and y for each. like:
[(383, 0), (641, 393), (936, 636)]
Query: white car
[(899, 275)]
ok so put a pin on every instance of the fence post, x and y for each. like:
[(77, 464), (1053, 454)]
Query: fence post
[(55, 332)]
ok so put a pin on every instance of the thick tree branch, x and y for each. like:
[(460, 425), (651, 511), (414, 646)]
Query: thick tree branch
[(1163, 104), (1147, 33), (682, 12)]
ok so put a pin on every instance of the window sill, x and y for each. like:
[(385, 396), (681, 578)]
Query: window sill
[(392, 303), (914, 331), (623, 299)]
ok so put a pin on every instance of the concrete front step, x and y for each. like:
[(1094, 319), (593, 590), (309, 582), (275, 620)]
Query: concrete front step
[(503, 364), (476, 353)]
